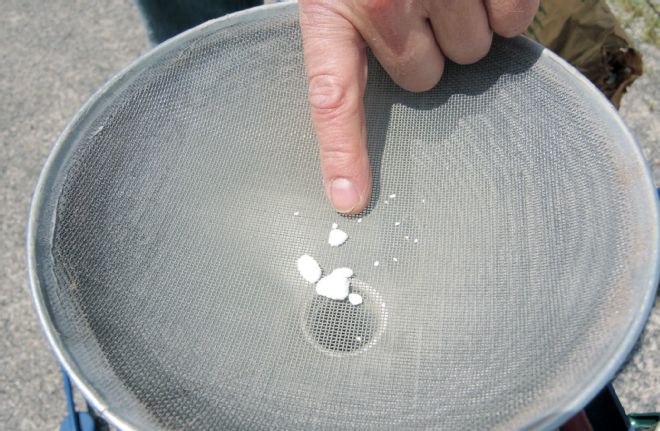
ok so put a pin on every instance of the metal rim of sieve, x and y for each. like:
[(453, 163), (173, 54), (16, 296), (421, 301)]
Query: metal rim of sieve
[(555, 415)]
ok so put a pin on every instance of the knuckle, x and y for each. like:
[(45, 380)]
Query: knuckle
[(327, 95)]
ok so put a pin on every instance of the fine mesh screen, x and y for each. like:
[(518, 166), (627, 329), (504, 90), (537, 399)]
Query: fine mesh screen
[(521, 257)]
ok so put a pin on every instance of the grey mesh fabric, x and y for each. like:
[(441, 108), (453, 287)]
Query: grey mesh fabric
[(165, 244)]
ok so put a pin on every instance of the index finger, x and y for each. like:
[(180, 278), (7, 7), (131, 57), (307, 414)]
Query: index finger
[(335, 57)]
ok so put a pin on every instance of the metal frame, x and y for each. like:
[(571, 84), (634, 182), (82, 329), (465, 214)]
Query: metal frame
[(40, 213)]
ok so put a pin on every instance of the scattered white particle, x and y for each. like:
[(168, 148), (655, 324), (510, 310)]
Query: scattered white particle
[(392, 196), (360, 220), (415, 240), (355, 299), (337, 237), (309, 268), (335, 225), (343, 272), (395, 259), (397, 223), (376, 263), (358, 338), (333, 287), (423, 201), (387, 202), (297, 213), (407, 237)]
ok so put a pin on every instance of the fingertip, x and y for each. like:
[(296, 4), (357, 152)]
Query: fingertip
[(347, 196), (343, 195)]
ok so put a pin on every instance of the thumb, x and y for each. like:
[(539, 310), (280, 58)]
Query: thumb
[(335, 58)]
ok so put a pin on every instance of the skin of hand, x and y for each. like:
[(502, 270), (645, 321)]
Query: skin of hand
[(411, 39)]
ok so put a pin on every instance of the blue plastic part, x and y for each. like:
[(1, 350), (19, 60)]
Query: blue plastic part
[(83, 420), (74, 421)]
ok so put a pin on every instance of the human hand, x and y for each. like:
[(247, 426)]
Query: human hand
[(411, 39)]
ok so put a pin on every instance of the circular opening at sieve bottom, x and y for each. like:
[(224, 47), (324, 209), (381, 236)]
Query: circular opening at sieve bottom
[(340, 327)]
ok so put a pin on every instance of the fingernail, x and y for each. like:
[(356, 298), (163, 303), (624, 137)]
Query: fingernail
[(343, 195)]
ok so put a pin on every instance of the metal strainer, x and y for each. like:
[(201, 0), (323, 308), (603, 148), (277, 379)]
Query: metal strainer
[(514, 222)]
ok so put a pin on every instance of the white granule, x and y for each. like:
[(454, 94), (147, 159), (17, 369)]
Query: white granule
[(415, 240), (343, 272), (355, 299), (423, 201), (387, 202), (360, 220), (337, 237), (309, 268), (395, 259), (376, 263), (333, 287), (397, 223), (407, 237), (335, 225), (392, 196), (358, 338), (297, 213)]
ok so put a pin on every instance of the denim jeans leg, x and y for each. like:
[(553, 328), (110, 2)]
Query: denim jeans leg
[(167, 18)]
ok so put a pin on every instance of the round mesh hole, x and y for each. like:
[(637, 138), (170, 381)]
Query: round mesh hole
[(339, 326)]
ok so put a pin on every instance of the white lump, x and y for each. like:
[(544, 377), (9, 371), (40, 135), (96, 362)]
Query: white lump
[(343, 272), (309, 269), (337, 237), (337, 284), (355, 299), (333, 286)]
